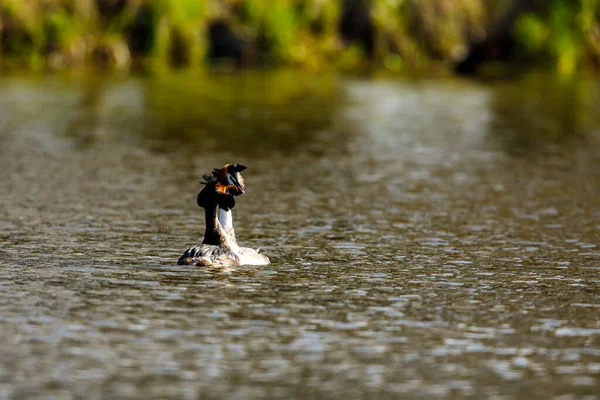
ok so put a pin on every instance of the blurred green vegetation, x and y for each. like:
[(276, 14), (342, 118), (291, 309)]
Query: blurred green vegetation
[(567, 38), (398, 35)]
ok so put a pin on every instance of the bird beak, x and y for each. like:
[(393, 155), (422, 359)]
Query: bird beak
[(238, 186)]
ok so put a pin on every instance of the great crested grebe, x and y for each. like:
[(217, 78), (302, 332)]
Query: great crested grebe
[(219, 246)]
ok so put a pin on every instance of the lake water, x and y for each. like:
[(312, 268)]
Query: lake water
[(428, 238)]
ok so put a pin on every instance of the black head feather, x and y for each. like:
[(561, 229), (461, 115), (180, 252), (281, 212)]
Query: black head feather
[(208, 179), (226, 201), (208, 196), (233, 168)]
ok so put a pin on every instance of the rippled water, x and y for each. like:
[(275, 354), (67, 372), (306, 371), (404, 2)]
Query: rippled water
[(428, 238)]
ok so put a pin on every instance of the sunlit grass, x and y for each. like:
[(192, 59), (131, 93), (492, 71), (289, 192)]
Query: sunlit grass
[(407, 34), (565, 38)]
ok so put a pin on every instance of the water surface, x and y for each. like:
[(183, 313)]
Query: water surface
[(430, 238)]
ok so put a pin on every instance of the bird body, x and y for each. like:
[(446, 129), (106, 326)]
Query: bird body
[(219, 246)]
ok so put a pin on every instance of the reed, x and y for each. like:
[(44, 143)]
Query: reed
[(391, 34)]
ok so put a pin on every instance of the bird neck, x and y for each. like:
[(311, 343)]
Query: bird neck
[(226, 220), (213, 234), (219, 227)]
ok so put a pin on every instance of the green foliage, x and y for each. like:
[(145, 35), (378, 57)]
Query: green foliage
[(561, 36), (176, 30), (408, 34), (279, 29), (531, 33), (564, 43), (274, 24)]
